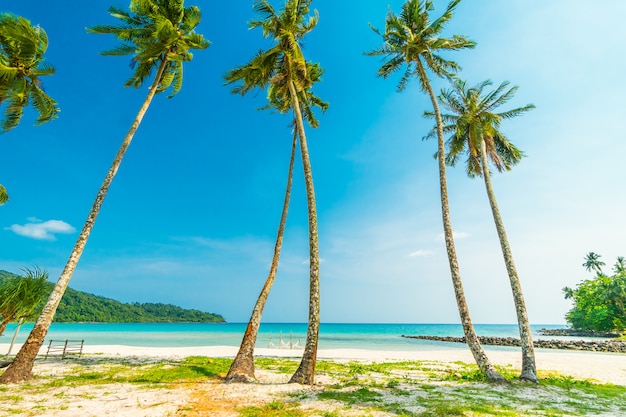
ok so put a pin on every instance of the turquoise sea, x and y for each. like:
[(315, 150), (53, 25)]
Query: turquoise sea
[(332, 335)]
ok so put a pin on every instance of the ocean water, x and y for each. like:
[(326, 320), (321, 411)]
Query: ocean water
[(332, 335)]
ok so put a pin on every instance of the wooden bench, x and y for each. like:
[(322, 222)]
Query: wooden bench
[(65, 347)]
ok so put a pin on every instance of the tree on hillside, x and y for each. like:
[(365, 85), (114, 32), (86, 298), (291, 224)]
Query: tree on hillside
[(475, 133), (414, 39), (21, 296), (22, 62), (288, 76), (600, 302), (159, 34)]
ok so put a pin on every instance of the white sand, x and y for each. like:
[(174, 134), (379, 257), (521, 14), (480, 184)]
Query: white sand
[(602, 367), (214, 398)]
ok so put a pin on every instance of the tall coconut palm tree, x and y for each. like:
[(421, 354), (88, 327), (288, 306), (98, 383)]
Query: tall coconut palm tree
[(414, 39), (287, 74), (242, 368), (22, 63), (159, 34), (475, 132)]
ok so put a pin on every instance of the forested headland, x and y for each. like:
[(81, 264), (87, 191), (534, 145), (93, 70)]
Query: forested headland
[(78, 306)]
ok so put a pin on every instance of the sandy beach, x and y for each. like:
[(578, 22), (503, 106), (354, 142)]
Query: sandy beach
[(219, 399), (601, 367)]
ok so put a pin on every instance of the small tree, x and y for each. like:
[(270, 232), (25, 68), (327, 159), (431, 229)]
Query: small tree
[(21, 297), (600, 302)]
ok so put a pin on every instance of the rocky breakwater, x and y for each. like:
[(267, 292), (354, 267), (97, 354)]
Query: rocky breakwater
[(578, 333), (615, 346)]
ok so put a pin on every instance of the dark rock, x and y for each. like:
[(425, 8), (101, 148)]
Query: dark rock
[(578, 333)]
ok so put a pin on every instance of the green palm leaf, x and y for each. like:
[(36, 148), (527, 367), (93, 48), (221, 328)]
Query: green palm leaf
[(21, 64)]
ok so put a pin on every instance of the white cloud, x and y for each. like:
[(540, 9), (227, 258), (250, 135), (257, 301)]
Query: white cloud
[(42, 230), (420, 252)]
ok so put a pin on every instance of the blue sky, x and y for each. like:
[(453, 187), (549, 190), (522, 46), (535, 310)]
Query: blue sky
[(192, 215)]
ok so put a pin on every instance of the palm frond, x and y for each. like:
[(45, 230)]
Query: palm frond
[(120, 50), (177, 84), (47, 108), (13, 112), (516, 112)]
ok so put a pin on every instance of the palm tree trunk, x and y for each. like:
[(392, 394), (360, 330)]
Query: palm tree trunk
[(242, 368), (468, 328), (17, 331), (22, 366), (529, 369), (3, 325), (306, 371)]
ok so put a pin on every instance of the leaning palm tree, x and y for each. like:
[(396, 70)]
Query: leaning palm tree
[(159, 34), (474, 128), (22, 48), (287, 75), (242, 368), (412, 38)]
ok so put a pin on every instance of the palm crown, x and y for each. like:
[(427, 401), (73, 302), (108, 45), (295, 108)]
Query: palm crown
[(154, 31), (473, 121), (412, 37), (22, 47), (284, 63)]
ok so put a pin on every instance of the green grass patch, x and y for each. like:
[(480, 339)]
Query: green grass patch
[(273, 409), (443, 410), (359, 396), (283, 366)]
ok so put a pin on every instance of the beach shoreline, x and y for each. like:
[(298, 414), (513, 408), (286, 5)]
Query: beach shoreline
[(596, 366)]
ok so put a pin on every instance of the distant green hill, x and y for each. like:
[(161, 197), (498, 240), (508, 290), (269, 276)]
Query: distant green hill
[(78, 306)]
